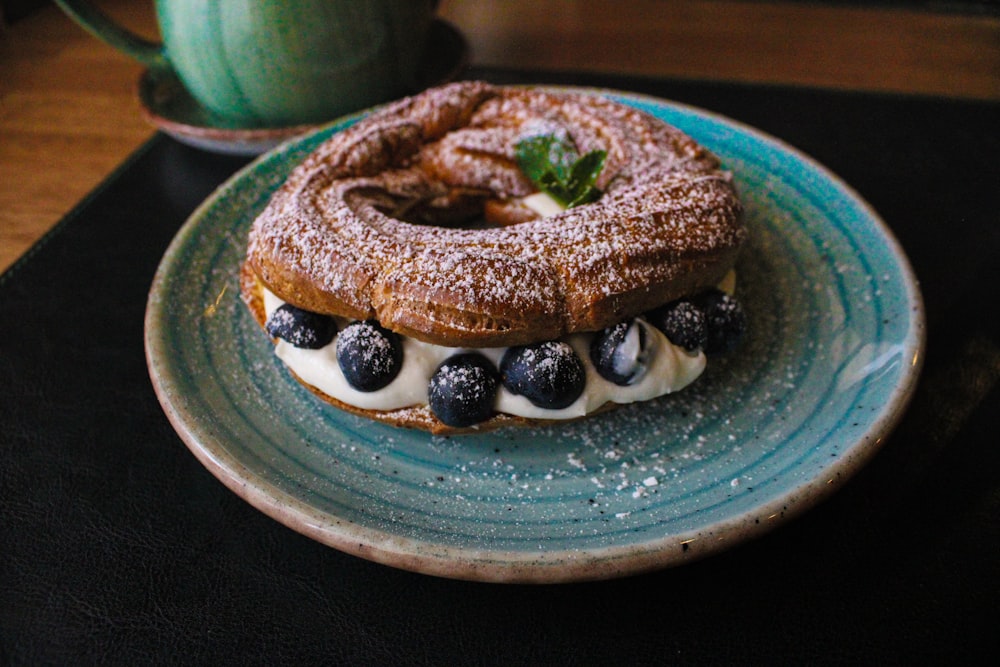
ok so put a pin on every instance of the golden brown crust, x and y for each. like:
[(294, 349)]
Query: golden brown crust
[(332, 241), (505, 212)]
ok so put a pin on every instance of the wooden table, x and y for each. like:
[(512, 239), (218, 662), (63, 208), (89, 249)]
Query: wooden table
[(69, 116)]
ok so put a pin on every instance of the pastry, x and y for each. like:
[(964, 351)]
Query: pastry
[(409, 256)]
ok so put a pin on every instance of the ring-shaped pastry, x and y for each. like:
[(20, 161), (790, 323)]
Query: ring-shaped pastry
[(411, 228), (385, 220)]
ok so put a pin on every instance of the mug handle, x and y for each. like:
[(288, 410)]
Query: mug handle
[(150, 54)]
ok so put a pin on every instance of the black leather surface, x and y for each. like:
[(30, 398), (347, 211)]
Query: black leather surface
[(117, 547)]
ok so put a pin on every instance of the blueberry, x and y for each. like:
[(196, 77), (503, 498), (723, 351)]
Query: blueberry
[(683, 323), (301, 328), (621, 353), (462, 390), (369, 355), (725, 319), (548, 374)]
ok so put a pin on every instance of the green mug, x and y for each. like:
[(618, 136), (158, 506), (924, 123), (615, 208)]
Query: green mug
[(269, 63)]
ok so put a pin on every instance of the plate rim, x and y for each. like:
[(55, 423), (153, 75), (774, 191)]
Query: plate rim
[(492, 565)]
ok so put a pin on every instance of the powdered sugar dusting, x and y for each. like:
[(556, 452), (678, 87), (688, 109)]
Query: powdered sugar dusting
[(335, 230)]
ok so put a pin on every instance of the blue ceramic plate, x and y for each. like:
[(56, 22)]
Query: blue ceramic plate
[(834, 350)]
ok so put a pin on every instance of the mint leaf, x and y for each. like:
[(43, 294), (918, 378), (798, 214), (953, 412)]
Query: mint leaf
[(582, 177), (533, 156), (555, 167)]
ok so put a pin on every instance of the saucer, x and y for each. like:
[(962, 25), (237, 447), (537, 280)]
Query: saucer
[(170, 108)]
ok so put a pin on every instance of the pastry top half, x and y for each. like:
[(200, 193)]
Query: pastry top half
[(384, 221)]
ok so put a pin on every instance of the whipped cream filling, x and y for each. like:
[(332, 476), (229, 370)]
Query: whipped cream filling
[(670, 369), (542, 204)]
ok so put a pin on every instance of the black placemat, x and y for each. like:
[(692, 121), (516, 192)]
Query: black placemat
[(117, 547)]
